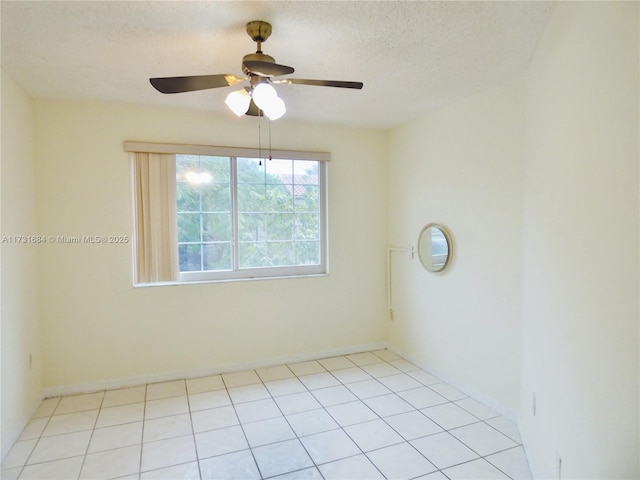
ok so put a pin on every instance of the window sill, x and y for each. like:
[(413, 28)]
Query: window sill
[(228, 280)]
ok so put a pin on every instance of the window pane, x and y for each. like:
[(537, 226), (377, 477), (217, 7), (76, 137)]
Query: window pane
[(203, 201), (184, 164), (216, 197), (217, 256), (190, 258), (280, 253), (188, 197), (251, 197), (250, 170), (189, 227), (267, 225), (307, 198), (216, 227), (217, 167), (306, 172), (280, 226), (279, 171), (307, 226), (307, 253), (251, 227), (252, 254), (279, 198)]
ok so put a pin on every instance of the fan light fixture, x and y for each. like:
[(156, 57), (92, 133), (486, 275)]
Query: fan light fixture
[(264, 96), (238, 102)]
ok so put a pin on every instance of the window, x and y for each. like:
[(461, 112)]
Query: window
[(238, 216)]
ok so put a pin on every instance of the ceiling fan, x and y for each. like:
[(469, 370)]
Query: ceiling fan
[(261, 71)]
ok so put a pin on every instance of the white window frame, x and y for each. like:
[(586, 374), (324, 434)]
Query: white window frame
[(233, 153)]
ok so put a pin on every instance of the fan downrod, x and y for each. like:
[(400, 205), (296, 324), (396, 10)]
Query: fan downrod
[(259, 31)]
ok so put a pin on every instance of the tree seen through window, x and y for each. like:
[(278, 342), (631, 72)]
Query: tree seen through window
[(277, 222)]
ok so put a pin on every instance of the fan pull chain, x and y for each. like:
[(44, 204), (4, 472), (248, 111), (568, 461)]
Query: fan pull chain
[(259, 140), (270, 158)]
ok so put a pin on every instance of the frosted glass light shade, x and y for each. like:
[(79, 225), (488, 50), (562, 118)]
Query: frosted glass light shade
[(238, 101), (263, 94), (276, 109)]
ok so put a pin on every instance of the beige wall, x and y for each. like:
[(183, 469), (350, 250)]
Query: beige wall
[(538, 181), (98, 328), (20, 331), (580, 303), (462, 167)]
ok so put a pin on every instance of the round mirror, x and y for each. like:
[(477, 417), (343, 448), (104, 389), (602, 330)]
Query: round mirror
[(434, 247)]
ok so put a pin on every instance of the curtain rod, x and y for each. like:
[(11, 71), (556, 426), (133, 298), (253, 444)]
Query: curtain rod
[(147, 147)]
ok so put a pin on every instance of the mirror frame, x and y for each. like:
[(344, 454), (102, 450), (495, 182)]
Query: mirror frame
[(447, 237)]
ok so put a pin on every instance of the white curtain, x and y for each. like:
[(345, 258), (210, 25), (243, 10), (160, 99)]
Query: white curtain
[(156, 219)]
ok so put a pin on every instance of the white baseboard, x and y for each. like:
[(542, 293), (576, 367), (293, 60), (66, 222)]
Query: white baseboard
[(204, 372), (527, 451)]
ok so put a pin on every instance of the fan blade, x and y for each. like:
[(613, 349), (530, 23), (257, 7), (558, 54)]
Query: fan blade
[(267, 69), (324, 83), (193, 83)]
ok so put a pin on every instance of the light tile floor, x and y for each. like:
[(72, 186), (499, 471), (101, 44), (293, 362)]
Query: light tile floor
[(370, 415)]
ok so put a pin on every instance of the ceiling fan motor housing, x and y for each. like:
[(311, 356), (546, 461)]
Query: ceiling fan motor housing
[(258, 56)]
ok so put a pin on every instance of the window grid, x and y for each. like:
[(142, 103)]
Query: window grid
[(201, 212), (265, 241)]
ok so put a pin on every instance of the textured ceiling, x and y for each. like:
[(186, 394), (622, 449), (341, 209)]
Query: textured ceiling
[(411, 56)]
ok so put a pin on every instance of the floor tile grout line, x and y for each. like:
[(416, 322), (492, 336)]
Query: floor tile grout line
[(401, 436), (476, 452), (423, 413), (475, 423), (475, 460), (95, 422), (159, 469), (481, 419), (33, 449), (444, 430), (340, 427), (193, 431), (50, 417), (324, 408), (262, 382), (460, 463), (345, 384), (382, 418), (361, 400), (291, 427), (343, 428), (244, 433), (283, 414), (144, 418), (494, 465), (406, 441), (519, 442)]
